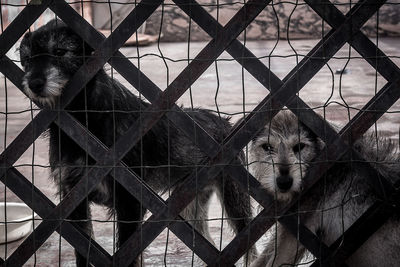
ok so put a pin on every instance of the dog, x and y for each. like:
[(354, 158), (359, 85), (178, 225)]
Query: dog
[(281, 155), (163, 158)]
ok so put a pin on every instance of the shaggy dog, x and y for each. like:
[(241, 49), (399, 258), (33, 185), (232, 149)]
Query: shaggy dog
[(280, 156), (165, 156)]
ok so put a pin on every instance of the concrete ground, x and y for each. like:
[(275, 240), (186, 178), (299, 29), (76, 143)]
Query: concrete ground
[(226, 88)]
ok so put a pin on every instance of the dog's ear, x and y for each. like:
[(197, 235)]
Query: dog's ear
[(25, 48), (27, 36)]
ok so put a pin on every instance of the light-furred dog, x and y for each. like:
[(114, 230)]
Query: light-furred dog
[(280, 157), (50, 56)]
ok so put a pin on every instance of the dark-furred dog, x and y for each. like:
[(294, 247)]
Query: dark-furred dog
[(164, 157)]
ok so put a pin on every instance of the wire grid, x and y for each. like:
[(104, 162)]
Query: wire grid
[(345, 28)]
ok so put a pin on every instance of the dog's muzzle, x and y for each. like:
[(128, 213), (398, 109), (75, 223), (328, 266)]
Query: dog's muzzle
[(284, 183), (37, 86)]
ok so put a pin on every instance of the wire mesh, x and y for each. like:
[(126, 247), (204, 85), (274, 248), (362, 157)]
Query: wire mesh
[(308, 57)]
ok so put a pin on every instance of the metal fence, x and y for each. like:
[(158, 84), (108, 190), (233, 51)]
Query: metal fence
[(345, 28)]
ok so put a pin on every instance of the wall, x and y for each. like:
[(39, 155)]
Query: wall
[(304, 22)]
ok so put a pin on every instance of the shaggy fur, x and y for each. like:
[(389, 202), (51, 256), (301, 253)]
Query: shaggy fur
[(280, 157), (164, 157)]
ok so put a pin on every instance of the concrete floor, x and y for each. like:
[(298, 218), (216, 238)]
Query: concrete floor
[(224, 87)]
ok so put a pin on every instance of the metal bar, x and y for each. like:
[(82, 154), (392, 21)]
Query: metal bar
[(308, 67), (202, 61), (366, 11), (107, 48), (330, 155), (20, 24), (367, 49), (376, 215), (51, 222), (23, 189), (203, 247), (70, 201), (269, 80), (11, 71), (305, 114), (340, 36), (325, 161), (262, 196), (146, 85), (208, 249), (387, 72), (32, 131), (256, 68), (84, 75), (27, 136), (184, 231), (126, 66), (373, 110), (129, 71), (305, 236), (358, 233), (132, 135), (375, 57), (213, 49), (133, 184), (139, 80), (70, 231)]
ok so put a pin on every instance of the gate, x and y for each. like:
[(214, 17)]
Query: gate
[(345, 29)]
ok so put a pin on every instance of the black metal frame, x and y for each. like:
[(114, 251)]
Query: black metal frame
[(345, 28)]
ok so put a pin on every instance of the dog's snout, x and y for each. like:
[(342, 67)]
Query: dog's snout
[(284, 182), (284, 170), (36, 85)]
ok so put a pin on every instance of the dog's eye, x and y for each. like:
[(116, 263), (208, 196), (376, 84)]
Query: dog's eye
[(298, 147), (267, 147), (60, 52)]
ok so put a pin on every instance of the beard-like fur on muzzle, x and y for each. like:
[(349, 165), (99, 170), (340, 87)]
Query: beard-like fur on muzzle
[(52, 88)]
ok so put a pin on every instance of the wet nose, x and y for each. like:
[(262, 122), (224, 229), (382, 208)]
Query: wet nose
[(36, 85), (284, 182)]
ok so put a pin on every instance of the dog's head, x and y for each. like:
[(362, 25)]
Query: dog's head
[(50, 56), (280, 154)]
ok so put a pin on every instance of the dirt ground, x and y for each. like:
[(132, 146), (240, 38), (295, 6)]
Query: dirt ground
[(226, 88)]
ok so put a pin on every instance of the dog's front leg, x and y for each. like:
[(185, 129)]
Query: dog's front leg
[(238, 208), (282, 248), (130, 215), (81, 216)]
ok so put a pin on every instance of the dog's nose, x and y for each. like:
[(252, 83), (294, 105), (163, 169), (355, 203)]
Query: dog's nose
[(284, 170), (284, 182), (36, 85)]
